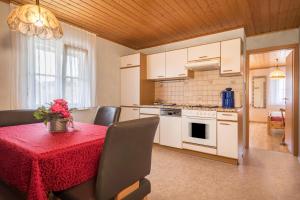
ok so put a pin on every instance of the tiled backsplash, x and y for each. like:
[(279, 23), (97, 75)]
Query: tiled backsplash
[(204, 88)]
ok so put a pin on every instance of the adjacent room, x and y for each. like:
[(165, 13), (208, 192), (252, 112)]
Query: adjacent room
[(149, 100), (268, 100)]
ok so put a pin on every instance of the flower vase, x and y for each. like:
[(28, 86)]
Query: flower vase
[(58, 125)]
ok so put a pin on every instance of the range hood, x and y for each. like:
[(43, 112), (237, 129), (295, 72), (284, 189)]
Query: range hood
[(207, 64)]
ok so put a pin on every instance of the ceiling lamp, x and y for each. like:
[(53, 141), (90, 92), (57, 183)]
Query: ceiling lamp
[(277, 73), (34, 20)]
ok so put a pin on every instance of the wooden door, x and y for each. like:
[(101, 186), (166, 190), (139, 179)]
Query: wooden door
[(289, 126), (130, 86)]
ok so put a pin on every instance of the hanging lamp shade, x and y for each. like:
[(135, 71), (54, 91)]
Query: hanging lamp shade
[(277, 73), (34, 20)]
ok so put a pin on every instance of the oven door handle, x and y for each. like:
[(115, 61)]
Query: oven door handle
[(197, 118)]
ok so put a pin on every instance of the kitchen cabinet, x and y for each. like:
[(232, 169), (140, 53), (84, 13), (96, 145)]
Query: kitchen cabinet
[(156, 137), (156, 66), (206, 51), (227, 139), (135, 88), (231, 57), (130, 86), (131, 60), (129, 113), (170, 131), (175, 63)]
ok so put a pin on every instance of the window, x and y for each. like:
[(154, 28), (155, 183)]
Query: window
[(59, 72), (73, 75), (277, 92)]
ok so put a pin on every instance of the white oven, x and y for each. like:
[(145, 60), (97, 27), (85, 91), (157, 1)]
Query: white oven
[(199, 127)]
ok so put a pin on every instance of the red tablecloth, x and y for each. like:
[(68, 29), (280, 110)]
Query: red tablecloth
[(36, 161)]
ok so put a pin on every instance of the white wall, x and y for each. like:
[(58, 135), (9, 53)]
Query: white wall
[(279, 38), (5, 47), (108, 71)]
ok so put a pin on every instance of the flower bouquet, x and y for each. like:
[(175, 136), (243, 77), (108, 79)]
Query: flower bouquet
[(57, 114)]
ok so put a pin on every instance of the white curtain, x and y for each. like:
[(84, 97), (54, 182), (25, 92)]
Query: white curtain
[(47, 69), (277, 91)]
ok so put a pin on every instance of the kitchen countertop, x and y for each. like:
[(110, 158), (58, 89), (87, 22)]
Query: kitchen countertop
[(218, 109)]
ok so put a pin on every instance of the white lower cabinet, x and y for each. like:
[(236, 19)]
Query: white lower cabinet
[(129, 113), (227, 139), (156, 138), (170, 131)]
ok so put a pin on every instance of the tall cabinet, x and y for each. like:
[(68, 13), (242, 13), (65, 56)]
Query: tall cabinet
[(135, 88)]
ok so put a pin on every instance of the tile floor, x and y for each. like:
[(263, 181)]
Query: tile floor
[(263, 175)]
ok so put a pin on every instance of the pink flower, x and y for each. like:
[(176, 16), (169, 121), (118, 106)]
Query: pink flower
[(60, 106)]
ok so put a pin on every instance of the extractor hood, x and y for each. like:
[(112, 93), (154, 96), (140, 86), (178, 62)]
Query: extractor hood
[(207, 64)]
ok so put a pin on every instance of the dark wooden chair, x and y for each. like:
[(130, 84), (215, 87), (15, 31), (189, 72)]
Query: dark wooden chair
[(17, 117), (125, 161), (107, 115), (12, 118)]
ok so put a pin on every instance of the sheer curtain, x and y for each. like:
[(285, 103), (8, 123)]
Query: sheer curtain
[(277, 90), (47, 69)]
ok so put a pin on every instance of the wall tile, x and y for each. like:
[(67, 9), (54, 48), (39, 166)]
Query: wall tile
[(204, 88)]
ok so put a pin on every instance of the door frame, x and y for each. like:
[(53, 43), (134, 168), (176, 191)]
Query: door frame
[(295, 112)]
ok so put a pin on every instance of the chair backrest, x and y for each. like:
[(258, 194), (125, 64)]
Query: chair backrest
[(126, 157), (107, 115), (17, 117), (282, 115)]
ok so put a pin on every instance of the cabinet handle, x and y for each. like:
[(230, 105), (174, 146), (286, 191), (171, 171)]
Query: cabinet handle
[(227, 70), (227, 115), (181, 74), (224, 124), (202, 56), (160, 76), (135, 109)]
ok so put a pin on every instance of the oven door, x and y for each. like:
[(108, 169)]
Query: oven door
[(201, 131)]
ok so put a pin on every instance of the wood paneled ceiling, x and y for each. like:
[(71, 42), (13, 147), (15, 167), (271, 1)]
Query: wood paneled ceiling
[(145, 23), (268, 59)]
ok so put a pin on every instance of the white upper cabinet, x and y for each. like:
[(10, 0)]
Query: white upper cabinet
[(131, 60), (130, 86), (207, 51), (175, 63), (156, 66), (231, 56)]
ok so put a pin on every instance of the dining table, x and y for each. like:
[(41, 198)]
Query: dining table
[(37, 162)]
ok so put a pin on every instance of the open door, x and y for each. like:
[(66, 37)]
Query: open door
[(289, 118)]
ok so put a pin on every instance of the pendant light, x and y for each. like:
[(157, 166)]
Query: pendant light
[(277, 73), (34, 20)]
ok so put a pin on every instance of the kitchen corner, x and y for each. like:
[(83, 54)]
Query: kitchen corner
[(186, 90)]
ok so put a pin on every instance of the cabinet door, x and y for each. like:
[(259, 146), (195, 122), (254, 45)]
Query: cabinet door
[(129, 113), (156, 66), (206, 51), (227, 144), (231, 56), (170, 131), (175, 63), (130, 86), (130, 60), (156, 138)]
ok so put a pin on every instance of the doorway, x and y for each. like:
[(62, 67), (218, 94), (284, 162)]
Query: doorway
[(272, 99)]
